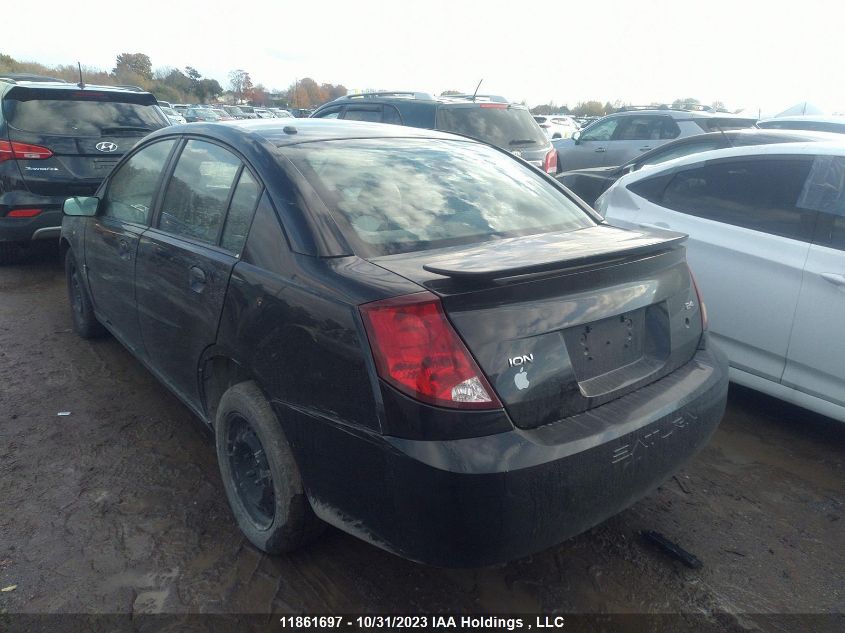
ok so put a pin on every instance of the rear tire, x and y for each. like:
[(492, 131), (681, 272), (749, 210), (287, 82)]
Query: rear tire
[(260, 474), (85, 324)]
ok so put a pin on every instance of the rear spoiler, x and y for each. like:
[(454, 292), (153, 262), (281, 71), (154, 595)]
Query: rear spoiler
[(551, 252)]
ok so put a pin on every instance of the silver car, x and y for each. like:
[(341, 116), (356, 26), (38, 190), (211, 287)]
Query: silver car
[(618, 138)]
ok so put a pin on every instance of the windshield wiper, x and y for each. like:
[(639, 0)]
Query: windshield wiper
[(523, 141), (124, 128)]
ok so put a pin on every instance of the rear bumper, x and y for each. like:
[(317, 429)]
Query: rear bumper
[(46, 225), (485, 500)]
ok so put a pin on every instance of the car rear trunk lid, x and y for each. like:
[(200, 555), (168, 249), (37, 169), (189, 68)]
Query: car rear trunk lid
[(563, 322)]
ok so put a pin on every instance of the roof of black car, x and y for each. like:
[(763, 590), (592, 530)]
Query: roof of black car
[(293, 131), (53, 85)]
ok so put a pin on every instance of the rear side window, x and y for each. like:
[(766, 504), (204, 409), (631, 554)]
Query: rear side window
[(401, 195), (760, 194), (195, 202), (372, 114), (497, 124), (67, 117), (661, 156), (240, 213), (824, 192), (132, 188)]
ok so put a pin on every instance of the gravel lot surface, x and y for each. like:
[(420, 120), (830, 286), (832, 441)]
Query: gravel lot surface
[(118, 508)]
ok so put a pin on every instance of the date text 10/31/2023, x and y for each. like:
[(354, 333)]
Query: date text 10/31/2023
[(390, 622)]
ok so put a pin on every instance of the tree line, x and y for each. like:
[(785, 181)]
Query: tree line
[(183, 85)]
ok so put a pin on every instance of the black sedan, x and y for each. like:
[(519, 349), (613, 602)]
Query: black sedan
[(590, 183), (412, 336)]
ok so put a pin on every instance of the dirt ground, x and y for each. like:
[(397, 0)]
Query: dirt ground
[(118, 508)]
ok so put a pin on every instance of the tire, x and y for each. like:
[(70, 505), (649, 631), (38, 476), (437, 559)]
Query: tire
[(85, 324), (260, 475), (10, 252)]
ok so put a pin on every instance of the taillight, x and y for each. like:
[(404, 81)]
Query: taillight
[(22, 151), (417, 351), (702, 308), (23, 213), (550, 162)]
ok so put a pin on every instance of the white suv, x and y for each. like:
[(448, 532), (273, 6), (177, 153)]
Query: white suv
[(557, 125), (766, 228)]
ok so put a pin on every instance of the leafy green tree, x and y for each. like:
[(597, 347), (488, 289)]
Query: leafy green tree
[(687, 103), (588, 108), (128, 64)]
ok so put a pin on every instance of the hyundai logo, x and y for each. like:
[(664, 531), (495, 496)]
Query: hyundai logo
[(105, 146)]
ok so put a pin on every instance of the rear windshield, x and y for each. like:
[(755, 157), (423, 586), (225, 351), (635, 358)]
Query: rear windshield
[(500, 125), (86, 117), (400, 195)]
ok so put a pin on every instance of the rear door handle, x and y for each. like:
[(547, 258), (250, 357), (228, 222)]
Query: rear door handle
[(645, 149), (834, 278), (601, 150), (197, 279)]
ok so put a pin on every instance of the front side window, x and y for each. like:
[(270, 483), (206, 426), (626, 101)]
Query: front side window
[(646, 128), (761, 194), (329, 113), (601, 131), (391, 115), (195, 201), (401, 195), (132, 187)]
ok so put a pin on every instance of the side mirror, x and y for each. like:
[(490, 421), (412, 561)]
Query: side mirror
[(576, 136), (81, 205)]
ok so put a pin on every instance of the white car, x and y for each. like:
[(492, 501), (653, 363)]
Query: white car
[(557, 125), (812, 122), (766, 228), (172, 115)]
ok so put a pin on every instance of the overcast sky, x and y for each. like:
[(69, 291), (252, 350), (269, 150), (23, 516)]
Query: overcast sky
[(746, 54)]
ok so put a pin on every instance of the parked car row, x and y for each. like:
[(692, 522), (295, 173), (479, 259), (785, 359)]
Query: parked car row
[(194, 112)]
